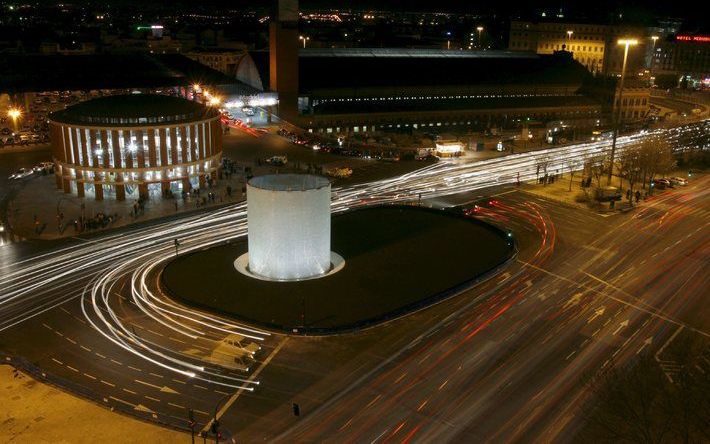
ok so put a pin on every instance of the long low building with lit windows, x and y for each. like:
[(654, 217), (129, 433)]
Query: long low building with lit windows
[(372, 89), (135, 146)]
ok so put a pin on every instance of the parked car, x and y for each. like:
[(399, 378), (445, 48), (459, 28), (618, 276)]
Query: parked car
[(661, 184), (277, 160), (46, 167), (19, 174), (678, 181)]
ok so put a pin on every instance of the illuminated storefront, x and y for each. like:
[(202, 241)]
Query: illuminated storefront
[(134, 146)]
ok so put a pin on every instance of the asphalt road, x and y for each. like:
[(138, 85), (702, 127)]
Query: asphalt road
[(503, 361)]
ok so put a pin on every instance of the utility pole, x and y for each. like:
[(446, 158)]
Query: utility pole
[(617, 109)]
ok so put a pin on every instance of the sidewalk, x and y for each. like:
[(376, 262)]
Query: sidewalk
[(580, 197), (33, 212), (36, 412)]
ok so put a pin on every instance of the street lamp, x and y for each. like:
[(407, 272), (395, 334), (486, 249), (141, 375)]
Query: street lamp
[(480, 30), (304, 39), (14, 114), (617, 119), (448, 39)]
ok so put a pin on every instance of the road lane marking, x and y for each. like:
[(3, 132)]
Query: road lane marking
[(136, 369), (619, 300), (122, 401), (58, 361), (374, 400), (443, 384), (151, 398), (400, 378), (179, 381), (108, 383), (156, 375), (164, 389), (99, 355), (570, 355), (89, 376), (421, 406), (176, 405), (251, 378), (116, 362), (344, 426), (86, 348), (72, 368), (129, 391)]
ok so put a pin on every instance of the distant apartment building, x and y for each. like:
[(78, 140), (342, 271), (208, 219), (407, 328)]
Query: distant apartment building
[(593, 45), (687, 57), (222, 60), (635, 99)]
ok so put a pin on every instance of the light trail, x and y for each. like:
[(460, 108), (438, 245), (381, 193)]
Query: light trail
[(33, 286)]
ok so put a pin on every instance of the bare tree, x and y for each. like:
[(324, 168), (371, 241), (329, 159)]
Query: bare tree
[(656, 158), (629, 164), (630, 405), (573, 165), (598, 166), (542, 163)]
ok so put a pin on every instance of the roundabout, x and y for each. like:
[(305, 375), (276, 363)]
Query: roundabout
[(397, 259)]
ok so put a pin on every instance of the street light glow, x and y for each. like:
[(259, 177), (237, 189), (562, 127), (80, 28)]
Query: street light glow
[(214, 101), (628, 42), (14, 113)]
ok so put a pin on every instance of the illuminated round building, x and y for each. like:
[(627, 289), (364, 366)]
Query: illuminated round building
[(288, 218), (135, 145)]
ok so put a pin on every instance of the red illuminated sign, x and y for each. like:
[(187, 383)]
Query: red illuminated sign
[(693, 38)]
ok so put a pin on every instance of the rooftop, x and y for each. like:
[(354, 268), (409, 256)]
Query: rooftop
[(34, 73), (132, 109), (289, 182), (359, 68)]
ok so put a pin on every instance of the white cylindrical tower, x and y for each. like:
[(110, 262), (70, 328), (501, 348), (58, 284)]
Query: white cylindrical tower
[(288, 219)]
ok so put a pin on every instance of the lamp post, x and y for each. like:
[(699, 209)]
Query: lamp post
[(15, 114), (569, 36), (480, 30), (617, 109), (304, 40), (448, 39)]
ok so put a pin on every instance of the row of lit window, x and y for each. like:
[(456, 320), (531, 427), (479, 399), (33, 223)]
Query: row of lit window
[(479, 96), (138, 120), (171, 174), (432, 124), (129, 147)]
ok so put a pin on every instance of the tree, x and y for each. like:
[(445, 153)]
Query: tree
[(597, 166), (629, 404), (656, 158), (638, 403), (572, 165), (542, 163), (629, 167)]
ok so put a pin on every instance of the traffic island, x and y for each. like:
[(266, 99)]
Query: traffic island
[(398, 259)]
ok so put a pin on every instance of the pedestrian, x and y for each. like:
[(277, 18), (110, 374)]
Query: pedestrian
[(638, 196)]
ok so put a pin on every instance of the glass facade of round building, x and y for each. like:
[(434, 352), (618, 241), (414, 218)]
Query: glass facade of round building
[(135, 146)]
